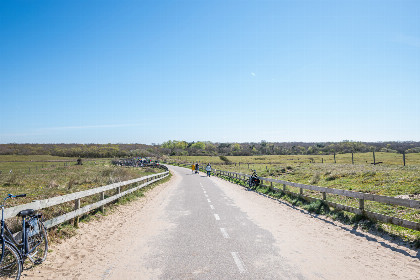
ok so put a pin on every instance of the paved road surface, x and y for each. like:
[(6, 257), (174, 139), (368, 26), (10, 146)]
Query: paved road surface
[(205, 228)]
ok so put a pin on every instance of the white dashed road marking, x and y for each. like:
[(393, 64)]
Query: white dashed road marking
[(239, 263), (208, 200), (224, 233), (216, 217), (211, 206)]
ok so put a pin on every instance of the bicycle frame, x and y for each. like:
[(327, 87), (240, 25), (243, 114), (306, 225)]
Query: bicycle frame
[(7, 237)]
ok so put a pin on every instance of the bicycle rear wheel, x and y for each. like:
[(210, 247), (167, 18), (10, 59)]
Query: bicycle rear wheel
[(11, 265), (38, 243)]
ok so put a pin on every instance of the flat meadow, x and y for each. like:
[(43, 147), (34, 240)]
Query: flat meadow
[(42, 177)]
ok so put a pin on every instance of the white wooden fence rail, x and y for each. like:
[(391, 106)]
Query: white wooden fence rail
[(45, 203)]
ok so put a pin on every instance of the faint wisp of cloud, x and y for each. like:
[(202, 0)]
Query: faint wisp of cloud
[(89, 126), (44, 130), (407, 40)]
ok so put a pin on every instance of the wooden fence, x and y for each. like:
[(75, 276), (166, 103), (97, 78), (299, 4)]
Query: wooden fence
[(41, 204), (415, 204)]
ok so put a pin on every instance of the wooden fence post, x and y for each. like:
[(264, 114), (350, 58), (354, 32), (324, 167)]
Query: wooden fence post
[(284, 188), (76, 206), (352, 158), (102, 198), (324, 196), (300, 191), (362, 204)]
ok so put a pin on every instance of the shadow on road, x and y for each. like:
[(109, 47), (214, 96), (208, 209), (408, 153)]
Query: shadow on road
[(393, 239)]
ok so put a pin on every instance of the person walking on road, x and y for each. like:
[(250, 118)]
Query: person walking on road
[(192, 168), (208, 169), (197, 168)]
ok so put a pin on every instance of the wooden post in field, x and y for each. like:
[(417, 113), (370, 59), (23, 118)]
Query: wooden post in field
[(76, 206), (374, 160), (334, 158), (322, 160), (324, 196), (284, 188), (352, 158), (248, 165), (404, 157)]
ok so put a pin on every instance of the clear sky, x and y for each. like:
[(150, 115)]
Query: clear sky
[(223, 71)]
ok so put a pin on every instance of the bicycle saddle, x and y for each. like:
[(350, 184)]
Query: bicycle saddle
[(26, 212)]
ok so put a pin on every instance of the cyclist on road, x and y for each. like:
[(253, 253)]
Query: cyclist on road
[(208, 169)]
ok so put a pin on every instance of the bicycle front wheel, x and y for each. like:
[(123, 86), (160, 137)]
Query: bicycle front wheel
[(38, 244), (11, 265)]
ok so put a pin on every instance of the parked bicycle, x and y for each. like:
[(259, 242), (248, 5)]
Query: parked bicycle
[(30, 243), (254, 181)]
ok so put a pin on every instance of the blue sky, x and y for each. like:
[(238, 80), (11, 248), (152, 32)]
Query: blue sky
[(223, 71)]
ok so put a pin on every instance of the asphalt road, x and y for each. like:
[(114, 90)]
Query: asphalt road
[(213, 238)]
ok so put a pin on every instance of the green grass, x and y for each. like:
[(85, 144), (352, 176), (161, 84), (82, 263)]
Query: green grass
[(55, 179), (359, 158)]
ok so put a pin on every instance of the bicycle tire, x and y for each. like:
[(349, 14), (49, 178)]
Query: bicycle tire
[(39, 244), (11, 264)]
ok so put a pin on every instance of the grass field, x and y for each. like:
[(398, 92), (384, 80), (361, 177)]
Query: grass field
[(359, 158), (42, 177), (389, 178)]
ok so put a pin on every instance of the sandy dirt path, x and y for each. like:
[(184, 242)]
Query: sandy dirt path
[(132, 241), (100, 244)]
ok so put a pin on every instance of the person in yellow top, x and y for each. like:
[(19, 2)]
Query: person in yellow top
[(192, 168)]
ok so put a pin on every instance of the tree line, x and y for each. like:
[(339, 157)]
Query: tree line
[(184, 148)]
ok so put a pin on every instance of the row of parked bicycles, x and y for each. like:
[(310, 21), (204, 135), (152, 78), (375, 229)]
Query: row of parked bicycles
[(29, 246)]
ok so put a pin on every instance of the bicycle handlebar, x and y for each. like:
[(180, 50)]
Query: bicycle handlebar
[(11, 196)]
